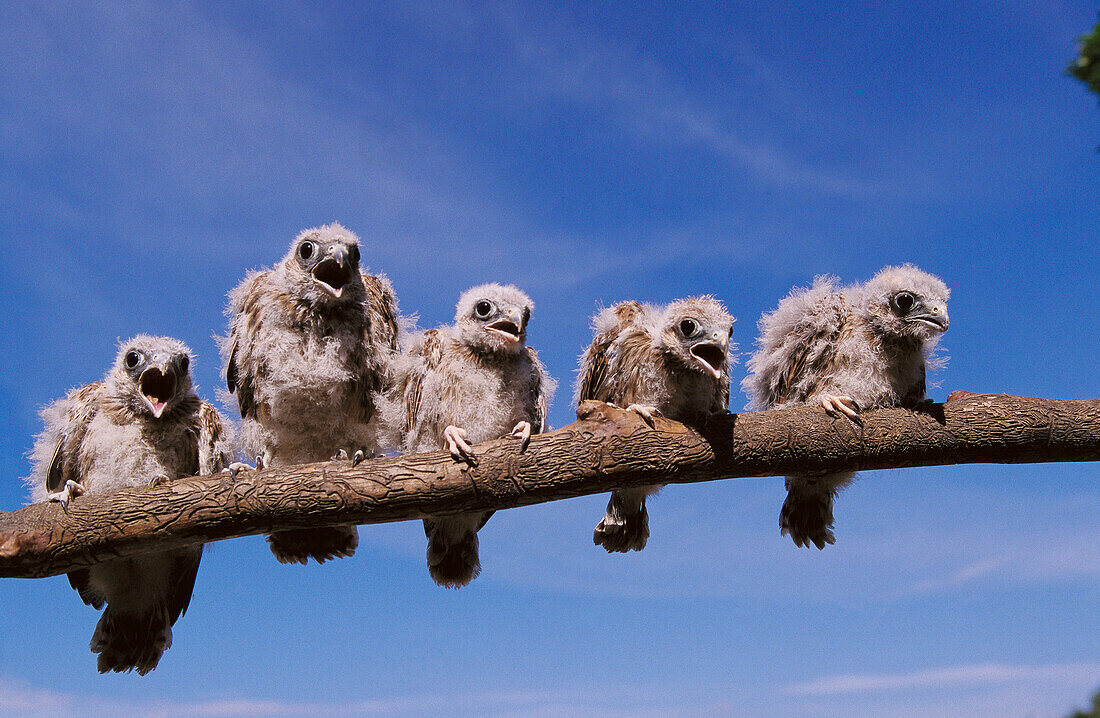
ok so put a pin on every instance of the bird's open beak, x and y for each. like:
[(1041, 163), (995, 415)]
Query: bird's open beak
[(711, 356), (158, 386), (333, 273), (506, 328)]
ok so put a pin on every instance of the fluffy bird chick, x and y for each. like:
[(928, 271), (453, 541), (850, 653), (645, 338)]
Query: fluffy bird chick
[(462, 384), (310, 344), (672, 360), (846, 349), (142, 425)]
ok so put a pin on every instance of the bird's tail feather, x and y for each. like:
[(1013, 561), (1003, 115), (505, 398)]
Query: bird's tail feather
[(625, 527), (807, 513), (320, 544), (131, 641), (453, 559)]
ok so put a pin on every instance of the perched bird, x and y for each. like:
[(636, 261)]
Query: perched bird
[(310, 345), (142, 425), (462, 384), (672, 360), (846, 349)]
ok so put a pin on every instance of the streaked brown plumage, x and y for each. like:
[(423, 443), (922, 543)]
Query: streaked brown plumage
[(309, 349), (846, 349), (671, 359), (472, 381), (141, 425)]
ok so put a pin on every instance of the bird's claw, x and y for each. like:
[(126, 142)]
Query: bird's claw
[(846, 405), (237, 467), (522, 431), (70, 490), (455, 439), (646, 412), (355, 459)]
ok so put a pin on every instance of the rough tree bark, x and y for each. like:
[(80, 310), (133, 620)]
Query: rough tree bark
[(606, 448)]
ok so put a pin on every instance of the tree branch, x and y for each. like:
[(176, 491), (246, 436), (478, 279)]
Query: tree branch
[(606, 448)]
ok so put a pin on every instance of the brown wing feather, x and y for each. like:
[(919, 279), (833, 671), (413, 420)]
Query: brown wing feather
[(633, 351), (801, 365), (240, 376), (816, 359), (916, 392), (211, 441), (538, 394), (382, 310), (597, 359), (430, 352), (185, 568), (81, 581), (83, 409)]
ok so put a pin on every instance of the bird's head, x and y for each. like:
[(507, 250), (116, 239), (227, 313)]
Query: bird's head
[(323, 265), (697, 332), (492, 317), (151, 375), (905, 302)]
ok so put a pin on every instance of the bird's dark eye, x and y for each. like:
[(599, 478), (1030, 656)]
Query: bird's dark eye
[(353, 254), (483, 309), (689, 327), (306, 249), (132, 359), (526, 315), (185, 362), (904, 302)]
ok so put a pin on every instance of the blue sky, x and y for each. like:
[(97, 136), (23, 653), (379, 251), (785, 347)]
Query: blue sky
[(149, 156)]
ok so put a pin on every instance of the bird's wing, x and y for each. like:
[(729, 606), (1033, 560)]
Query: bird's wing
[(541, 390), (426, 356), (382, 311), (80, 407), (81, 581), (916, 392), (807, 363), (375, 353), (78, 410), (724, 386), (240, 371), (596, 365), (797, 348), (185, 567), (213, 441)]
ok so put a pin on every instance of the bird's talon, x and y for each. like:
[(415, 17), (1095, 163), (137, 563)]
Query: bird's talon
[(455, 439), (845, 405), (341, 455), (70, 490), (237, 467), (646, 412), (358, 457), (523, 433)]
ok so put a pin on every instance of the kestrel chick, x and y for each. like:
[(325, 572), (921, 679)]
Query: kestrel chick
[(463, 384), (310, 346), (672, 360), (142, 425), (846, 349)]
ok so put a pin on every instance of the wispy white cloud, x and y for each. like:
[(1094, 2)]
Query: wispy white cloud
[(21, 700), (649, 102), (935, 548), (980, 674), (208, 120)]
